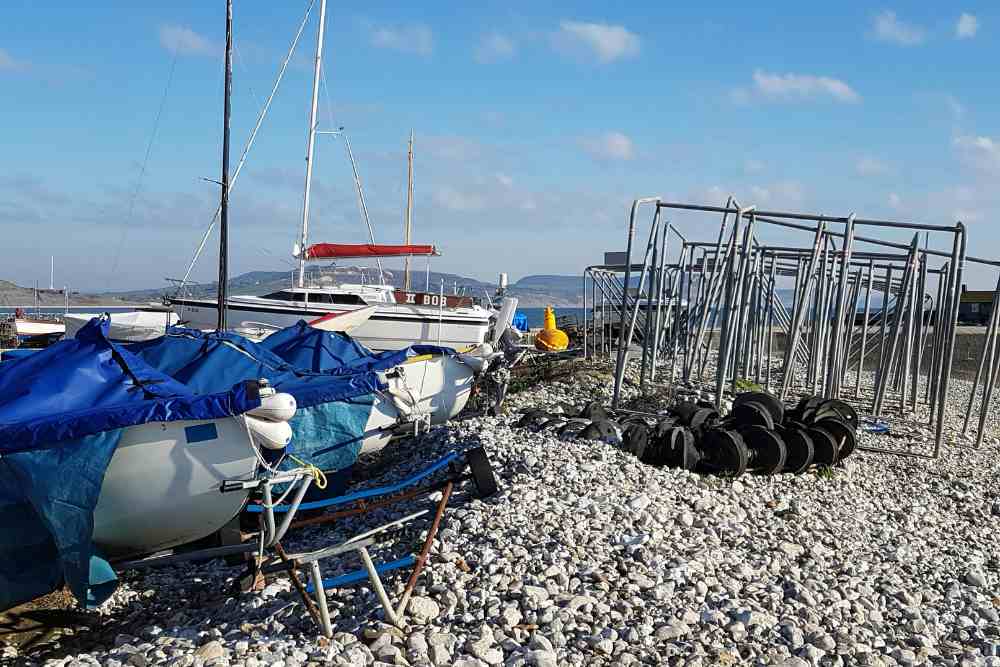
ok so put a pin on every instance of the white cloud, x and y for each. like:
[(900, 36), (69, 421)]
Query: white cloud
[(782, 193), (452, 148), (609, 146), (10, 64), (967, 26), (980, 152), (414, 38), (455, 200), (505, 180), (895, 202), (604, 42), (184, 41), (889, 28), (752, 166), (494, 48), (795, 87), (871, 166)]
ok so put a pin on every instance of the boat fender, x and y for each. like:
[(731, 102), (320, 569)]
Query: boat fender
[(277, 407), (269, 434)]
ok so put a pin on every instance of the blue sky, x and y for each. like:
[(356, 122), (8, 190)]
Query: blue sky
[(536, 125)]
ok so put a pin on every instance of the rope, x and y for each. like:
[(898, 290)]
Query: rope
[(249, 144), (142, 172)]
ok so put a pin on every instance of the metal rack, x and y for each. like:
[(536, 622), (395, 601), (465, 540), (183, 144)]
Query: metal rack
[(718, 301)]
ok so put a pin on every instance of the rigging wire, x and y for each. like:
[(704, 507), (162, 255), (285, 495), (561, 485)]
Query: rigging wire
[(142, 172), (249, 144)]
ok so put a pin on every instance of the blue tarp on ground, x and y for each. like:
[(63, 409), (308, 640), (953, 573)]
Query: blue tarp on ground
[(61, 414)]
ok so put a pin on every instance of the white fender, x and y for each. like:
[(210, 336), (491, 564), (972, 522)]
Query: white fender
[(270, 434), (279, 407)]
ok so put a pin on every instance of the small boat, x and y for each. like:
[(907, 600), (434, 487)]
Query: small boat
[(37, 331), (126, 327), (102, 455)]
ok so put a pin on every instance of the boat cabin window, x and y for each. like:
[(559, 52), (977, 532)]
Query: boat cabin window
[(346, 299), (317, 297)]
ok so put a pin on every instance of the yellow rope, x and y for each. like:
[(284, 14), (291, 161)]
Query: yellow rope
[(318, 475)]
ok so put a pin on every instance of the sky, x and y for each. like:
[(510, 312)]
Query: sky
[(536, 125)]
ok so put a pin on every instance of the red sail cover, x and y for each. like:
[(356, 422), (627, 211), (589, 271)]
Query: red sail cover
[(365, 250)]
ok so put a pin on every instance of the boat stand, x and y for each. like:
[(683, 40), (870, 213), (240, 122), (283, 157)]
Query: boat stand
[(314, 593), (362, 502)]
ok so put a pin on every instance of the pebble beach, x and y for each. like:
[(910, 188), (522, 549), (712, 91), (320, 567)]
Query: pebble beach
[(586, 556)]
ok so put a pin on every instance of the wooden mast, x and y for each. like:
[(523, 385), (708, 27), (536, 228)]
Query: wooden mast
[(409, 211)]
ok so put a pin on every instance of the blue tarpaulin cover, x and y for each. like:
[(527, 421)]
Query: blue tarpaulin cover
[(61, 414), (332, 377)]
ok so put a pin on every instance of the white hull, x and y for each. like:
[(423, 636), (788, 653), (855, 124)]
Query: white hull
[(390, 327), (439, 386), (130, 327), (29, 328), (161, 488)]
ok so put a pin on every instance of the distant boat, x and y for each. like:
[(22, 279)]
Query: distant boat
[(127, 327), (36, 331)]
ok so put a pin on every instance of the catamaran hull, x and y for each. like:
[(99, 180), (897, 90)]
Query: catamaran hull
[(161, 488), (391, 327)]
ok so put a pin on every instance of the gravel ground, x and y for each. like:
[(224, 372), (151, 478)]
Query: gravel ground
[(587, 556)]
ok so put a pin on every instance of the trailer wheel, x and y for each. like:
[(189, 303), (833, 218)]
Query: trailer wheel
[(482, 472)]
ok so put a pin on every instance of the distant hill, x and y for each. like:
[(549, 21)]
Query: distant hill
[(13, 295), (532, 291)]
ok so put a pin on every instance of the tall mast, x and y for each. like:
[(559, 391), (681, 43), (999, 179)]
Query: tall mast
[(52, 272), (409, 210), (224, 213), (311, 142)]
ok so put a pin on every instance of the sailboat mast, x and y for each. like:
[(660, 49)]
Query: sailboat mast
[(311, 142), (409, 210), (224, 213)]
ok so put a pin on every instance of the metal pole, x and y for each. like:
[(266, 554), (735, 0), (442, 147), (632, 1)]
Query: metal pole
[(221, 323), (409, 211), (311, 142)]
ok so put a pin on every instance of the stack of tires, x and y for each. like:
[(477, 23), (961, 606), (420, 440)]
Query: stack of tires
[(759, 435)]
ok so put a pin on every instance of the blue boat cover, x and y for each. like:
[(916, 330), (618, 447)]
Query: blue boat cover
[(332, 377), (61, 414), (310, 349)]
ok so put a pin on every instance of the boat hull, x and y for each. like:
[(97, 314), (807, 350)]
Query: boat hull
[(390, 327), (161, 488), (130, 327)]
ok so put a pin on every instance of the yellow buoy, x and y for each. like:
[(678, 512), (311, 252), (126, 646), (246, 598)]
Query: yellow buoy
[(550, 339)]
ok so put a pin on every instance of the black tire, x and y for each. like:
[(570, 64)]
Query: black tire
[(842, 432), (724, 452), (482, 472), (767, 450), (752, 413), (636, 438), (838, 409), (769, 401), (825, 447), (799, 449)]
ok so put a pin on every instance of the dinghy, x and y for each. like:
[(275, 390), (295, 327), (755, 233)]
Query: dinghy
[(102, 455)]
